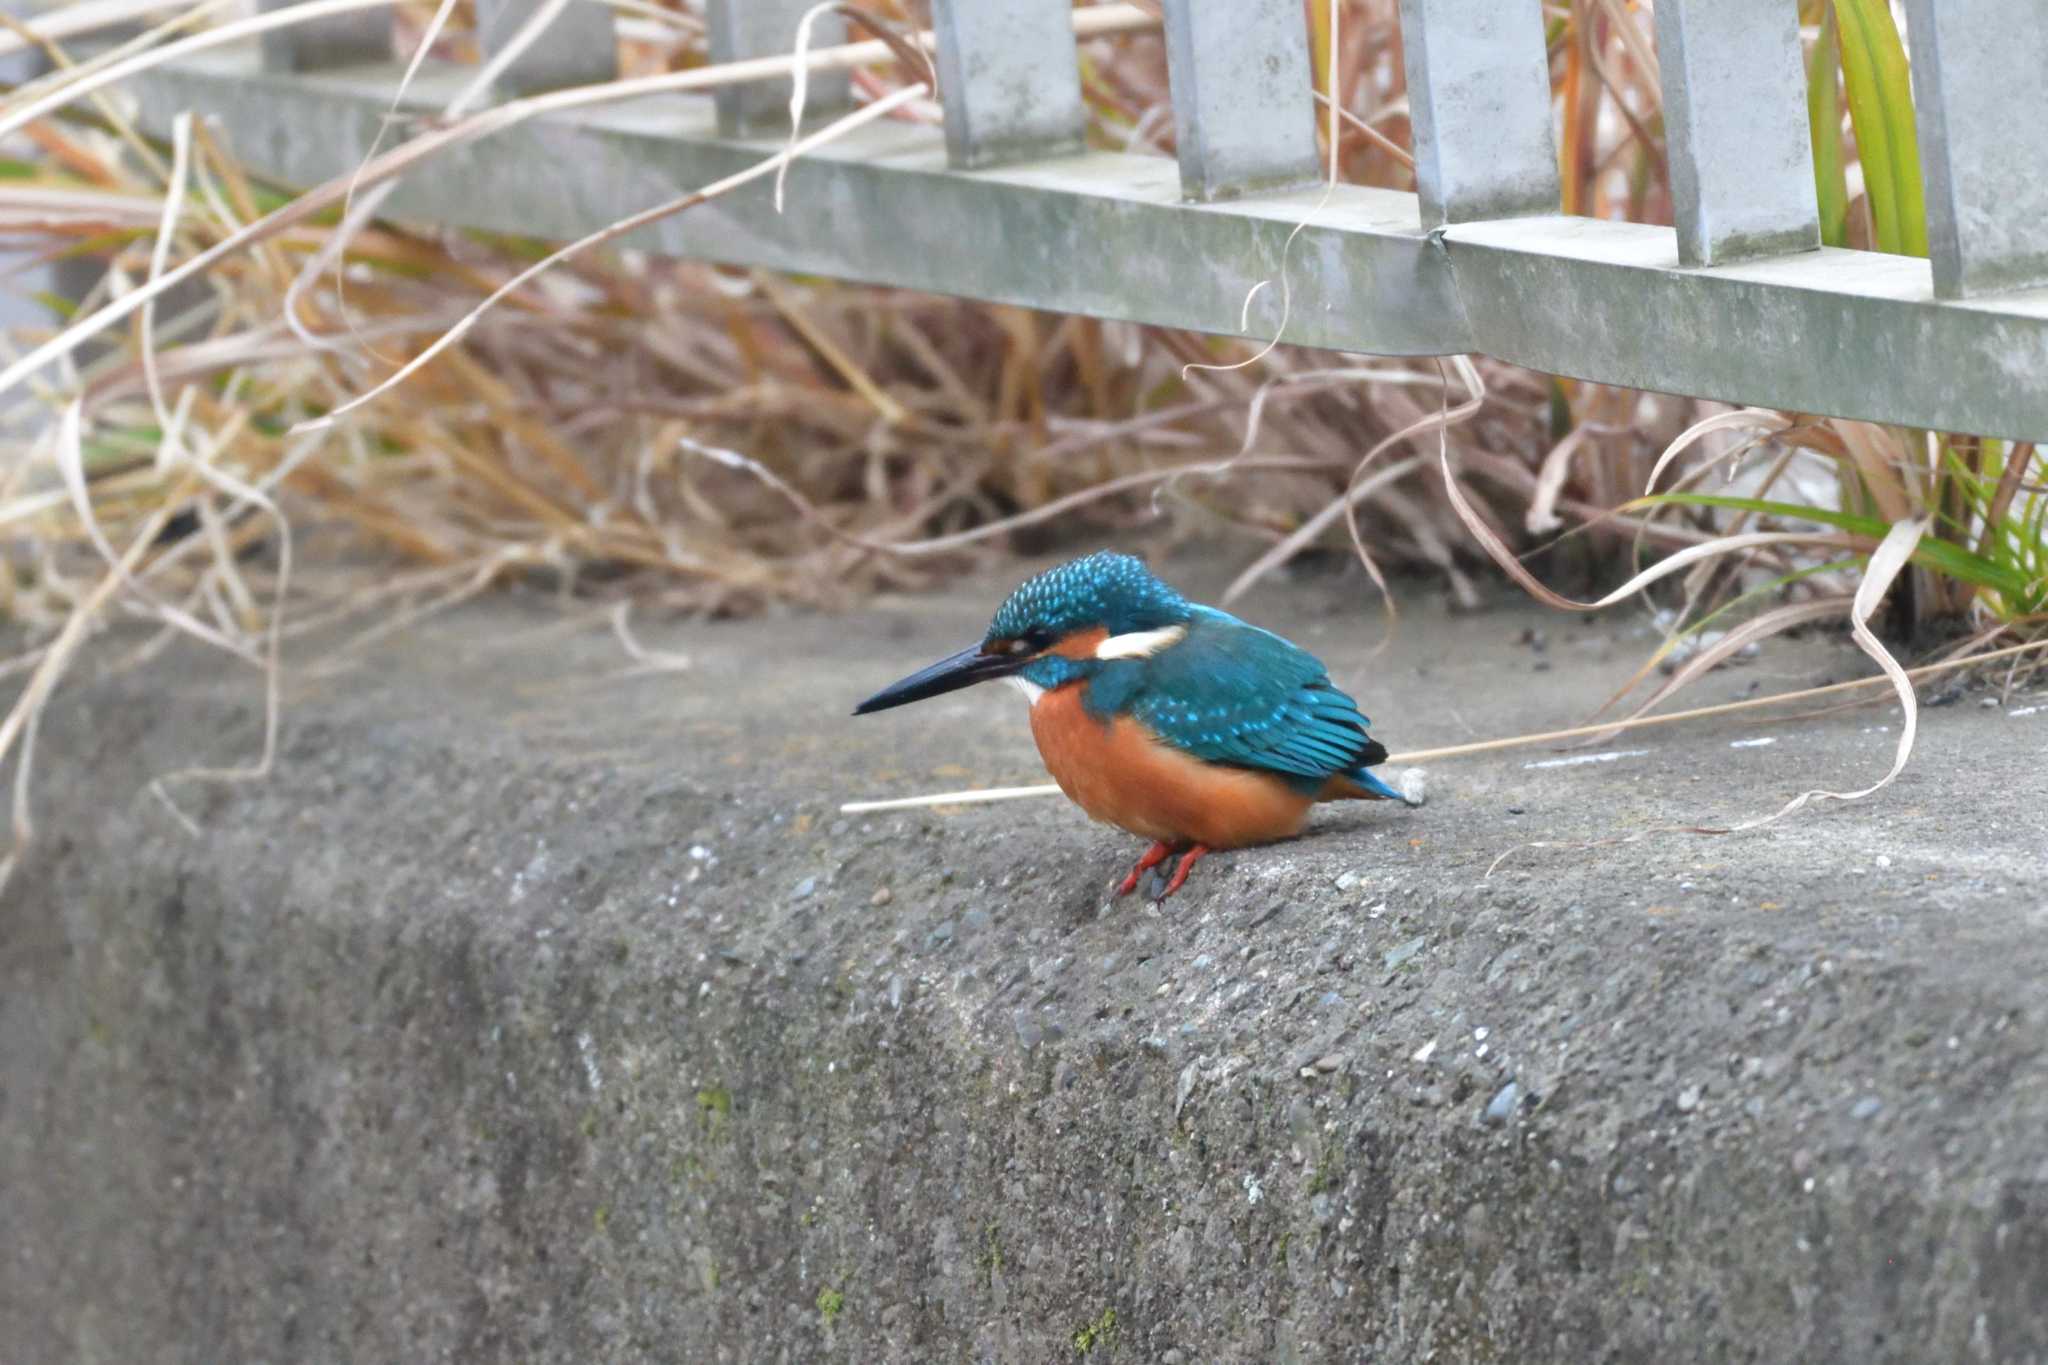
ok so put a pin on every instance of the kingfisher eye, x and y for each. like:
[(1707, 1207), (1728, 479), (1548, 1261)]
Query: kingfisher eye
[(1033, 641)]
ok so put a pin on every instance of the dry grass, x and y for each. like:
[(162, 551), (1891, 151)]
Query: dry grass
[(715, 440)]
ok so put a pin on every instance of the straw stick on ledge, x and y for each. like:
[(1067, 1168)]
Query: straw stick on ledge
[(969, 798)]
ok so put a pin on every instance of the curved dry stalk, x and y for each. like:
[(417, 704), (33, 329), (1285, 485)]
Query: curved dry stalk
[(1095, 21), (804, 507), (159, 257), (1886, 561), (85, 16), (1372, 134), (1316, 381), (70, 461), (1100, 19), (800, 79), (645, 660), (631, 223), (1346, 505), (26, 713), (355, 216), (1750, 419), (1760, 627), (1542, 518)]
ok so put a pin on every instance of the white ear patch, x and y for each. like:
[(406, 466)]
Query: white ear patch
[(1031, 690), (1141, 644)]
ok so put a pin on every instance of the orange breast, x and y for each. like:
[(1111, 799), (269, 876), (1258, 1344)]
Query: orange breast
[(1121, 775)]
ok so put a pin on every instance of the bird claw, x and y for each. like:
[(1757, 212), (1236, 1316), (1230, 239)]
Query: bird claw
[(1148, 872), (1180, 872), (1154, 856)]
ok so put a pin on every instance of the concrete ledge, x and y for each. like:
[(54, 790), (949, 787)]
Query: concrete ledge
[(532, 1013)]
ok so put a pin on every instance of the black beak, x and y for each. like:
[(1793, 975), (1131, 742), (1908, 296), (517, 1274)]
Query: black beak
[(964, 669)]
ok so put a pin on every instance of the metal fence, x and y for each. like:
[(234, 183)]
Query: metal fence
[(1739, 302)]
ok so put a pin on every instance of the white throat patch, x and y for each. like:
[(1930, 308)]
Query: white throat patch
[(1031, 690), (1141, 644)]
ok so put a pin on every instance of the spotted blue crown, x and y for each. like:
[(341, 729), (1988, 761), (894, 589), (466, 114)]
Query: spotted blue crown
[(1102, 589)]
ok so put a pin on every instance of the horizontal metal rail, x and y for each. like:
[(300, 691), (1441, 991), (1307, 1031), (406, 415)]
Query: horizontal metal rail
[(1840, 333)]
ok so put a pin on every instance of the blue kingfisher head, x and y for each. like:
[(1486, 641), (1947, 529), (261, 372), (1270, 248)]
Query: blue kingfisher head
[(1060, 626)]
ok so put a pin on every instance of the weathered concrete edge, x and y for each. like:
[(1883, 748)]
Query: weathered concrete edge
[(342, 1081)]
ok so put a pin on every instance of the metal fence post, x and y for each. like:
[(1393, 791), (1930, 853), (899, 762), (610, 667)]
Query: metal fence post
[(1243, 109), (578, 47), (741, 29), (1010, 78), (1479, 100), (322, 44), (1735, 115), (1983, 111)]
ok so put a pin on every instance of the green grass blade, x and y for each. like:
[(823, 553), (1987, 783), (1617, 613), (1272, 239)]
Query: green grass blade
[(1940, 556), (1880, 89), (1824, 126)]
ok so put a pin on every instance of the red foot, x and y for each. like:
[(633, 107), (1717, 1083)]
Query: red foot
[(1180, 873), (1154, 856)]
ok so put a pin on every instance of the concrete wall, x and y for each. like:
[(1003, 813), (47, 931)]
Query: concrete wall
[(531, 1014)]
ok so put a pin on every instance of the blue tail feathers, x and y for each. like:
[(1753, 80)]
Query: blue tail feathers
[(1369, 780)]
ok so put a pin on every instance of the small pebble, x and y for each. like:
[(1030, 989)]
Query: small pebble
[(1397, 956), (1347, 880), (883, 895), (1884, 860), (1689, 1099), (1414, 786), (1866, 1108), (806, 887), (1502, 1107), (941, 934)]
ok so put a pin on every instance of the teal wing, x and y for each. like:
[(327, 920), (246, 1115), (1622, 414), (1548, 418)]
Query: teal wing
[(1231, 693)]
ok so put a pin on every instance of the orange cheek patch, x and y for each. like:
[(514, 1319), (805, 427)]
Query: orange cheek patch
[(1082, 645)]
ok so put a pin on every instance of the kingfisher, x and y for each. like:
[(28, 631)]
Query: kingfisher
[(1174, 721)]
